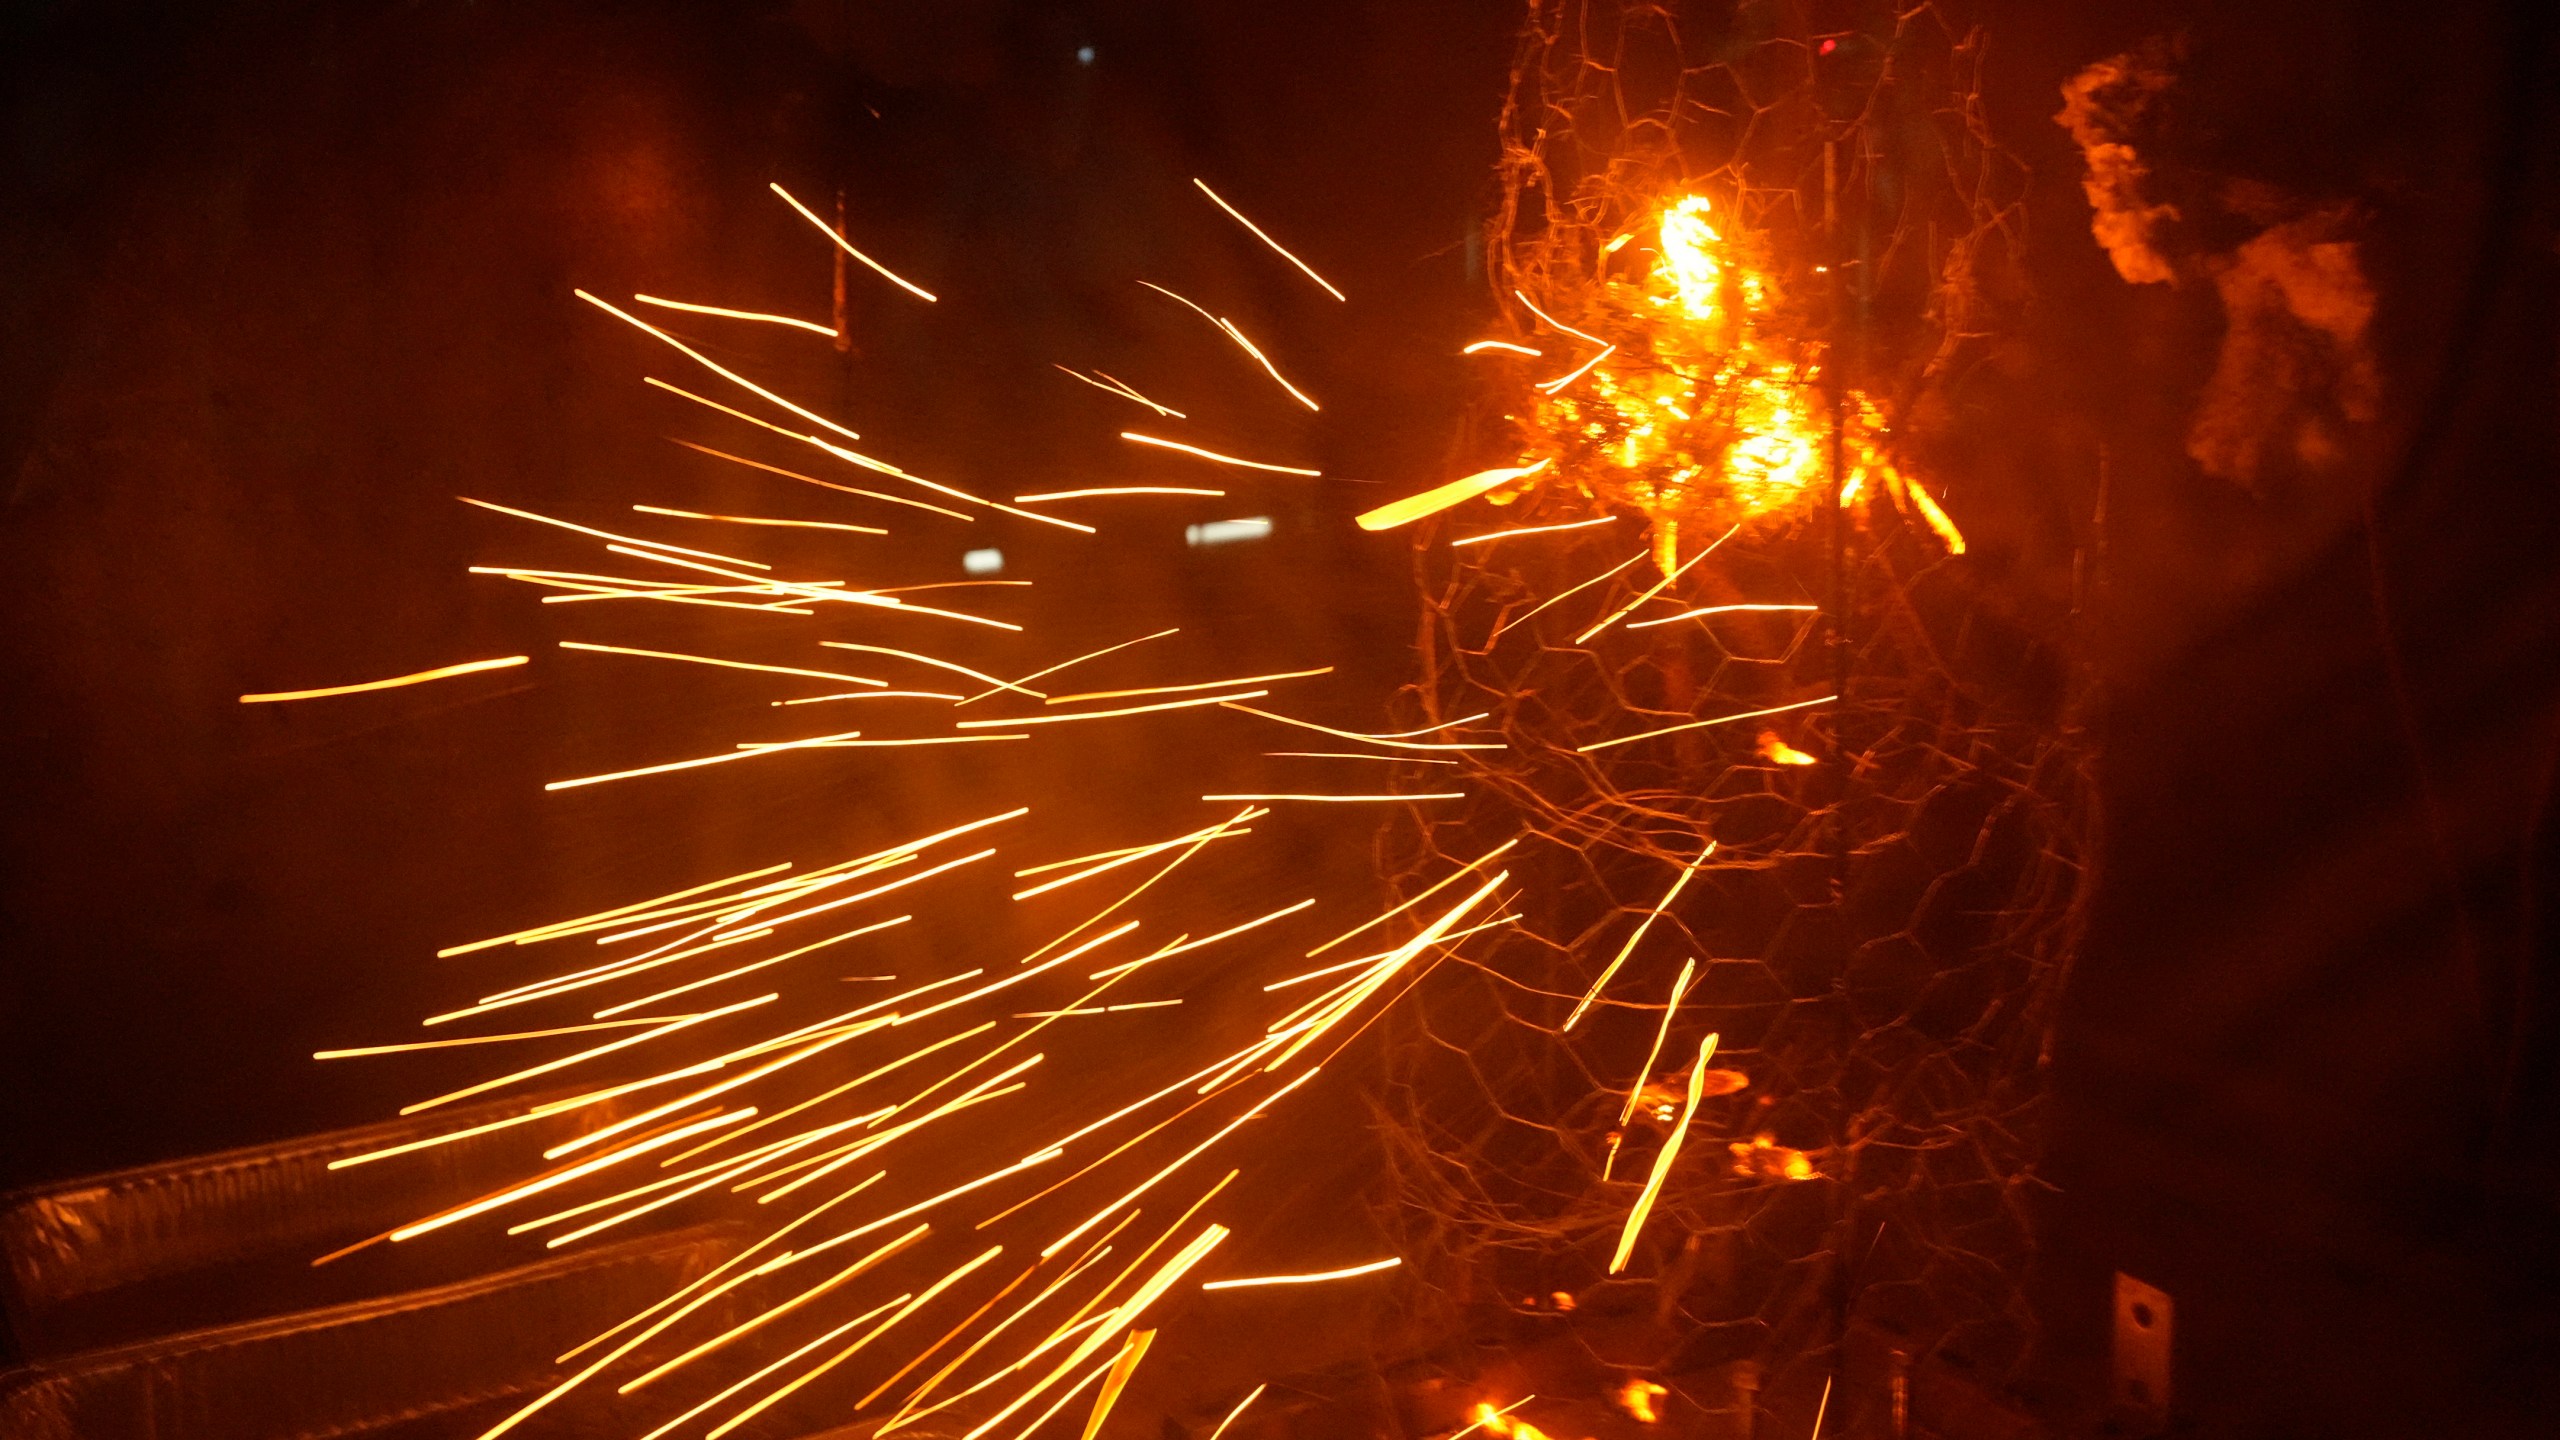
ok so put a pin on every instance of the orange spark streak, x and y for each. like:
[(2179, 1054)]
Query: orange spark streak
[(1136, 438), (1332, 1008), (1553, 321), (1481, 538), (761, 520), (1351, 755), (1182, 947), (1701, 724), (1131, 1352), (1110, 386), (562, 1177), (1250, 1397), (1127, 1110), (856, 457), (1265, 238), (1388, 741), (749, 968), (719, 1172), (764, 1317), (1310, 1278), (724, 312), (1483, 345), (746, 754), (1561, 381), (1066, 1397), (1937, 518), (1110, 714), (1090, 1258), (842, 901), (1636, 938), (920, 1206), (1112, 490), (1655, 589), (1094, 1010), (1441, 497), (829, 590), (1662, 1160), (676, 1298), (978, 1094), (467, 667), (1113, 1284), (718, 1169), (867, 695), (929, 660), (907, 1059), (1128, 1311), (714, 366), (767, 1370), (1127, 850), (1711, 610), (565, 1061), (1427, 729), (1435, 888), (910, 1308), (1113, 860), (948, 1336), (1228, 328), (725, 664), (1092, 655), (538, 1112), (602, 918), (1500, 630), (1131, 1195), (1195, 685), (1372, 959), (482, 1039), (796, 475), (1442, 795), (838, 236), (610, 535), (613, 969), (1679, 987), (669, 1107), (914, 740)]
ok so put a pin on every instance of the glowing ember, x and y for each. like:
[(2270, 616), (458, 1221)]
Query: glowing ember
[(1763, 1158), (1640, 1398), (1777, 751)]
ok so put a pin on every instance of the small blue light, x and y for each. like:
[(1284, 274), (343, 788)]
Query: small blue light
[(1228, 532), (1084, 54), (983, 562)]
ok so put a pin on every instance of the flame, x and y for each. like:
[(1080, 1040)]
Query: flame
[(1638, 1397), (1698, 398), (1777, 751), (1763, 1158)]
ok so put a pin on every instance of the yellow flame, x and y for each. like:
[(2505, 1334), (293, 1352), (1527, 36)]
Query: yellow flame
[(1688, 256), (1696, 396)]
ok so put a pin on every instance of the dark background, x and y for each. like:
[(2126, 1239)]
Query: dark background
[(278, 280)]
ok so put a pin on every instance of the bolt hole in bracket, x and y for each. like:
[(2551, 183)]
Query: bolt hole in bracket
[(2138, 1389)]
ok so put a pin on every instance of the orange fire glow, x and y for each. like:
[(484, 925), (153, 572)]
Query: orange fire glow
[(1697, 401)]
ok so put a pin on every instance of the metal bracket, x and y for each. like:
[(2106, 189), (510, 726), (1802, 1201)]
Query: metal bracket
[(2139, 1386)]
